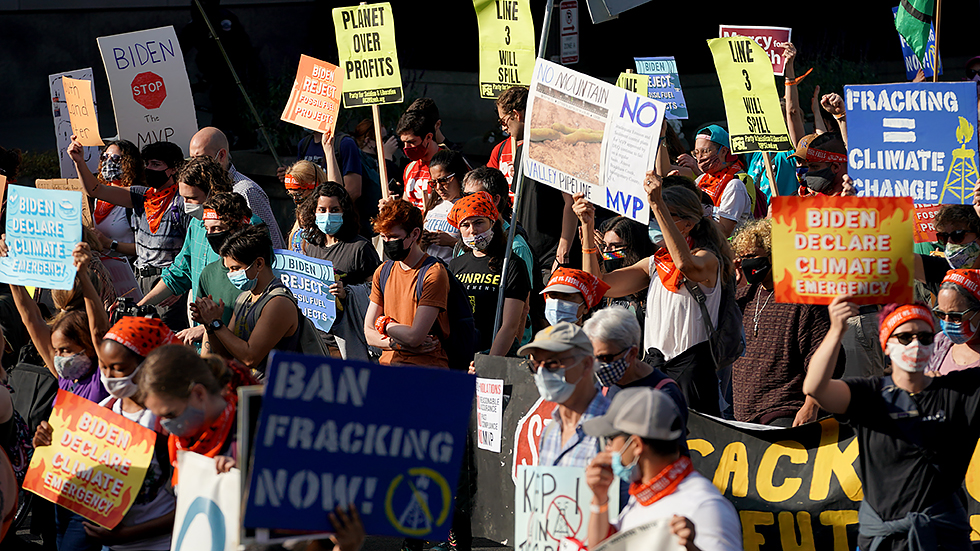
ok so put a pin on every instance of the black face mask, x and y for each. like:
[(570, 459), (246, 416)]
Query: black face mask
[(396, 249), (612, 264), (217, 239), (756, 269), (820, 180), (156, 179)]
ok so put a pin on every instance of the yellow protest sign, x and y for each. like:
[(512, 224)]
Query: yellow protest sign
[(506, 45), (755, 120), (366, 44), (636, 83), (96, 462), (81, 111)]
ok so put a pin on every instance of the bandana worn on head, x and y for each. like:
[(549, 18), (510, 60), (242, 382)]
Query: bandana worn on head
[(210, 214), (156, 203), (293, 184), (670, 276), (477, 204), (141, 335), (591, 287), (967, 279), (821, 156), (903, 314)]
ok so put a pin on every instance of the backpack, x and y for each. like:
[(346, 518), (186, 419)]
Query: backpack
[(305, 340), (760, 201), (727, 342), (461, 348)]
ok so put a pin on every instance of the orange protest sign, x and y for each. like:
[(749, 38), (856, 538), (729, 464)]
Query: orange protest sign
[(827, 246), (81, 111), (96, 462), (315, 98)]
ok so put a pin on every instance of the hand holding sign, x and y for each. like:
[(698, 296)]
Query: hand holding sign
[(81, 111)]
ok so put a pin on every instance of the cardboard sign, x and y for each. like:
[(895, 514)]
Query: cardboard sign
[(96, 462), (506, 45), (638, 84), (43, 227), (588, 135), (151, 95), (489, 413), (552, 503), (81, 110), (62, 123), (70, 184), (215, 498), (755, 119), (366, 44), (344, 427), (915, 140), (770, 39), (315, 97), (912, 62), (826, 246), (655, 534), (309, 279), (665, 83)]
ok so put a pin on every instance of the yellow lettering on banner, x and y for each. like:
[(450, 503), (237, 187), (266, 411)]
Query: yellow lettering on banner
[(830, 459), (974, 527), (787, 532), (734, 462), (764, 482), (972, 481), (701, 446), (752, 540), (839, 521)]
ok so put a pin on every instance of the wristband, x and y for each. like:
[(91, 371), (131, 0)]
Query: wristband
[(381, 325), (841, 117), (593, 250), (599, 509), (799, 79)]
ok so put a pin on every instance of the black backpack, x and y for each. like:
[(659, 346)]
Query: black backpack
[(461, 348), (727, 343)]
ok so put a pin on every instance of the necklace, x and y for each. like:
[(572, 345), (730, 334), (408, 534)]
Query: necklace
[(755, 331)]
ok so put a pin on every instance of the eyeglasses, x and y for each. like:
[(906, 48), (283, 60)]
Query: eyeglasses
[(955, 236), (552, 365), (608, 358), (952, 317), (699, 153), (505, 119), (443, 180), (924, 337)]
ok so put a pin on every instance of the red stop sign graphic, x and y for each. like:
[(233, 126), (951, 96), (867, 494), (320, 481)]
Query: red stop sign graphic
[(529, 430), (149, 90)]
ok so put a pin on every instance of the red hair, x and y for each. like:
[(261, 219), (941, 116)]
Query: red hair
[(398, 213)]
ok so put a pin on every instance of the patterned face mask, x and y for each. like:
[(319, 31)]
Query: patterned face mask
[(112, 168)]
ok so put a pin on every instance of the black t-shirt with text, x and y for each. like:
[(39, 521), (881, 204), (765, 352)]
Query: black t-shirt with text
[(354, 261), (482, 285)]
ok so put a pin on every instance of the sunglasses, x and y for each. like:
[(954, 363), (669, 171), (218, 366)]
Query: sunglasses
[(609, 358), (113, 156), (924, 337), (952, 317), (443, 180), (956, 237)]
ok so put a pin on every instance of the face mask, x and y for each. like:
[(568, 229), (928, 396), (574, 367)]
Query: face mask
[(912, 358), (194, 211), (557, 310), (610, 373), (656, 236), (415, 152), (185, 424), (480, 241), (119, 387), (820, 180), (396, 249), (111, 169), (756, 269), (962, 256), (156, 178), (626, 473), (329, 222), (553, 386), (73, 366), (240, 280), (956, 332), (710, 164), (217, 239), (612, 264)]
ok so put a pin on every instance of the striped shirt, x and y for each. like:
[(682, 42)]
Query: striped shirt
[(258, 201), (158, 249), (581, 448)]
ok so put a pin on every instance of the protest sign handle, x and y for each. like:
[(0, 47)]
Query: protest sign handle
[(935, 51), (238, 81), (773, 188), (379, 146)]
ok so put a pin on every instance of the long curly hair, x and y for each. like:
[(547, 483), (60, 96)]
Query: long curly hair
[(204, 173), (306, 214)]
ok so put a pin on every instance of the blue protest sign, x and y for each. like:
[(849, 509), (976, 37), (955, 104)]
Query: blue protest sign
[(912, 63), (309, 279), (665, 84), (389, 439), (43, 226)]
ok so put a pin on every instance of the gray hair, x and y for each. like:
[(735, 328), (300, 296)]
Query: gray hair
[(614, 325), (971, 301)]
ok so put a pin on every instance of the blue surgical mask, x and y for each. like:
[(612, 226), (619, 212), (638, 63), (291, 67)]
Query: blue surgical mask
[(553, 386), (329, 222), (240, 280), (557, 310), (956, 332), (656, 236), (626, 473), (185, 424)]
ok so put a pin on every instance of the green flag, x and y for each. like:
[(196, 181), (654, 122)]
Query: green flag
[(913, 22)]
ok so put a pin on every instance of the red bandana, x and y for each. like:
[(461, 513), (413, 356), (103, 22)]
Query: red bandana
[(209, 442), (210, 214), (714, 185), (670, 276), (102, 209), (902, 315), (141, 335), (156, 203), (664, 484)]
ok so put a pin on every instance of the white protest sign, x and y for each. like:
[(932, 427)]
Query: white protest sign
[(209, 505), (552, 503), (489, 413), (62, 124), (590, 136), (652, 535), (151, 94)]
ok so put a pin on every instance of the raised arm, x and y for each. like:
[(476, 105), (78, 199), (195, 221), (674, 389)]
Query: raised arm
[(30, 316), (98, 319), (834, 104), (833, 395), (701, 267), (111, 194), (794, 113), (622, 282)]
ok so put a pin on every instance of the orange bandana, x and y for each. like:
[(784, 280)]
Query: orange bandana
[(209, 442), (477, 204), (670, 276), (210, 214), (967, 279), (293, 184), (141, 335), (102, 209), (664, 484), (904, 314), (714, 185), (156, 203), (591, 287)]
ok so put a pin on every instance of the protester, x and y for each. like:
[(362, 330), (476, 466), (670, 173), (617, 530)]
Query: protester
[(624, 243), (212, 142), (913, 431), (720, 180), (334, 236), (446, 170), (225, 214), (417, 135), (407, 328), (300, 180), (957, 231), (646, 424), (427, 108), (265, 318), (823, 165), (511, 105), (479, 269), (119, 165), (570, 294), (958, 344)]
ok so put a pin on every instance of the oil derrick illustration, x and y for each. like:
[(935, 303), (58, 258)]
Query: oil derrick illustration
[(962, 175)]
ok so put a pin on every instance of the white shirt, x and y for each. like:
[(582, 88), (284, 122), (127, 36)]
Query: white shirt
[(437, 220), (116, 226), (716, 523), (258, 201), (735, 203), (673, 323)]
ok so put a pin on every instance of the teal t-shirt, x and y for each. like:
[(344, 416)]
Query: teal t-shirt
[(782, 165), (214, 281)]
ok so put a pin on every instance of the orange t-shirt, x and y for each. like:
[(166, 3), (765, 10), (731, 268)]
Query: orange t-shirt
[(401, 306)]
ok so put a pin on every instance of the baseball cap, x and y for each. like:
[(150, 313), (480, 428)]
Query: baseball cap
[(809, 149), (644, 411), (716, 134), (560, 337)]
